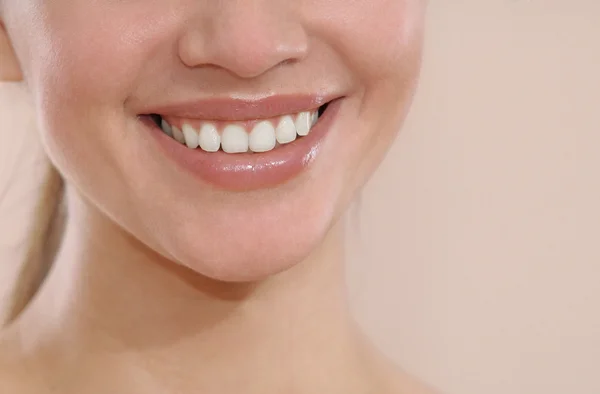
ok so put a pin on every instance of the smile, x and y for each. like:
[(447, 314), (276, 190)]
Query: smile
[(238, 145), (257, 135)]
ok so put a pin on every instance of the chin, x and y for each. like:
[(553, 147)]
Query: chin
[(248, 255), (238, 237)]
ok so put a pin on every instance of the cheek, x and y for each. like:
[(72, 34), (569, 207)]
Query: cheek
[(383, 47), (381, 42), (391, 44), (83, 59), (379, 39), (82, 73)]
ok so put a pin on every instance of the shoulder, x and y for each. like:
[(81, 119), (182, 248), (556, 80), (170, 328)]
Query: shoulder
[(390, 378), (403, 383), (13, 381), (15, 376), (396, 380), (412, 386)]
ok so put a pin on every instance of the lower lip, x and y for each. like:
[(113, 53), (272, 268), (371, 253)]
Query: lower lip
[(249, 171)]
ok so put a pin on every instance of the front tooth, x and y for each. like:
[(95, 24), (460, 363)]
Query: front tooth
[(303, 123), (209, 138), (286, 130), (178, 135), (262, 137), (234, 139), (166, 128), (191, 137)]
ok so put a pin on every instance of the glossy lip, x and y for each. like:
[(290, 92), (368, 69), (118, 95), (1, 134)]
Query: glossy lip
[(234, 109), (248, 171)]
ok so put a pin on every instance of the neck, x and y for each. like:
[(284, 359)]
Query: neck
[(110, 305)]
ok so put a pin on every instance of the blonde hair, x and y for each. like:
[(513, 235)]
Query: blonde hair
[(35, 248), (40, 243)]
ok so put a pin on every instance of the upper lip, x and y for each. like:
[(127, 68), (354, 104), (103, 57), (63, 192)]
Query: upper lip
[(236, 109)]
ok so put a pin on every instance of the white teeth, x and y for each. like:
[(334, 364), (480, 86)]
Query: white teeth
[(166, 128), (286, 130), (262, 137), (234, 139), (303, 123), (178, 135), (191, 136), (209, 138), (314, 118)]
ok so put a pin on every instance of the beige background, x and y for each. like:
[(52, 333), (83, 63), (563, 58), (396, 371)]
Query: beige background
[(480, 261), (477, 266)]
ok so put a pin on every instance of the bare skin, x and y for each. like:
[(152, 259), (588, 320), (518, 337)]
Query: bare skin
[(165, 329), (162, 284)]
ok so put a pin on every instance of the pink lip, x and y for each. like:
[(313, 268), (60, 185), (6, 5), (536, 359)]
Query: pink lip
[(248, 171), (239, 109)]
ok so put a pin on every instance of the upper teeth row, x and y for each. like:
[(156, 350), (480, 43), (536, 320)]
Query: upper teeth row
[(234, 138)]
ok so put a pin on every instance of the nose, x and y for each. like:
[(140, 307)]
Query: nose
[(245, 37)]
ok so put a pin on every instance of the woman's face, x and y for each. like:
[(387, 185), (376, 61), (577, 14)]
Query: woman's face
[(244, 77)]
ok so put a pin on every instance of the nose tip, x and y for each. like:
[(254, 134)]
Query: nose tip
[(246, 44)]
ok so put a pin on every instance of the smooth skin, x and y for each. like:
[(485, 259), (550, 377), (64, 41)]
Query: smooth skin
[(167, 285)]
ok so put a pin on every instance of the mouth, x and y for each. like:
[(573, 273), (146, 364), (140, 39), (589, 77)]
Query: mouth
[(243, 147), (234, 137)]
